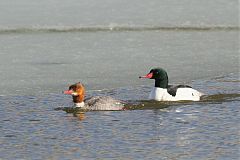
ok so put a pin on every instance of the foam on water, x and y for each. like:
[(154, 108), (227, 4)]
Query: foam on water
[(115, 28)]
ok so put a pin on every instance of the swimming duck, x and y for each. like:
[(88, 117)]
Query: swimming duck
[(164, 92), (94, 103)]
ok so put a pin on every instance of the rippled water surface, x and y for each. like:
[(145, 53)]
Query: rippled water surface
[(46, 46), (32, 129)]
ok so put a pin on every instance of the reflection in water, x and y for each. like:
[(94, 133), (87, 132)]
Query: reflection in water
[(207, 129), (151, 104), (80, 115)]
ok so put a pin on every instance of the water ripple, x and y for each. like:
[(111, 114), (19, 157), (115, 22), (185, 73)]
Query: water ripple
[(59, 29), (30, 128)]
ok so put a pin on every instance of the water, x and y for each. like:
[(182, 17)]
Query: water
[(46, 46), (32, 129), (28, 13)]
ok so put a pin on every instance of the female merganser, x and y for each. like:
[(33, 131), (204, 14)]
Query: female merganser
[(94, 103), (164, 92)]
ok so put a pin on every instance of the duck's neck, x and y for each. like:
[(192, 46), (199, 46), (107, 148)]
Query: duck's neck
[(161, 83), (81, 104), (78, 101)]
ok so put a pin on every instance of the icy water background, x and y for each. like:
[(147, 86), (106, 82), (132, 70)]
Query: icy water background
[(46, 46)]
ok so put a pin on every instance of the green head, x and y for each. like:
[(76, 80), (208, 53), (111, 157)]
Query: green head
[(159, 75)]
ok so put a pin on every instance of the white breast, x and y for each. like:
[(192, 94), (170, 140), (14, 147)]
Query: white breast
[(187, 94)]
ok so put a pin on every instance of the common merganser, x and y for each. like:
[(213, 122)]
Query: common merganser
[(94, 103), (164, 92)]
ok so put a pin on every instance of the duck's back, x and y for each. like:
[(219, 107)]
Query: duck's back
[(103, 103)]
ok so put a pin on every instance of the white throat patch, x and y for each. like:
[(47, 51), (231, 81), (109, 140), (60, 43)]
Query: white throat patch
[(79, 104)]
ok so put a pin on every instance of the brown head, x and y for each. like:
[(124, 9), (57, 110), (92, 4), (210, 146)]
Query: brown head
[(77, 91)]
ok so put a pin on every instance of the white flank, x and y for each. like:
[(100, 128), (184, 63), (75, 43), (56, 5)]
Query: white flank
[(183, 94)]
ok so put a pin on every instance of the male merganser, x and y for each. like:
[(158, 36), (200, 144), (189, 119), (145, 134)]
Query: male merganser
[(164, 92), (94, 103)]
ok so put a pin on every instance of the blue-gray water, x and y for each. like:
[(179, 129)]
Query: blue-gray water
[(46, 46)]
